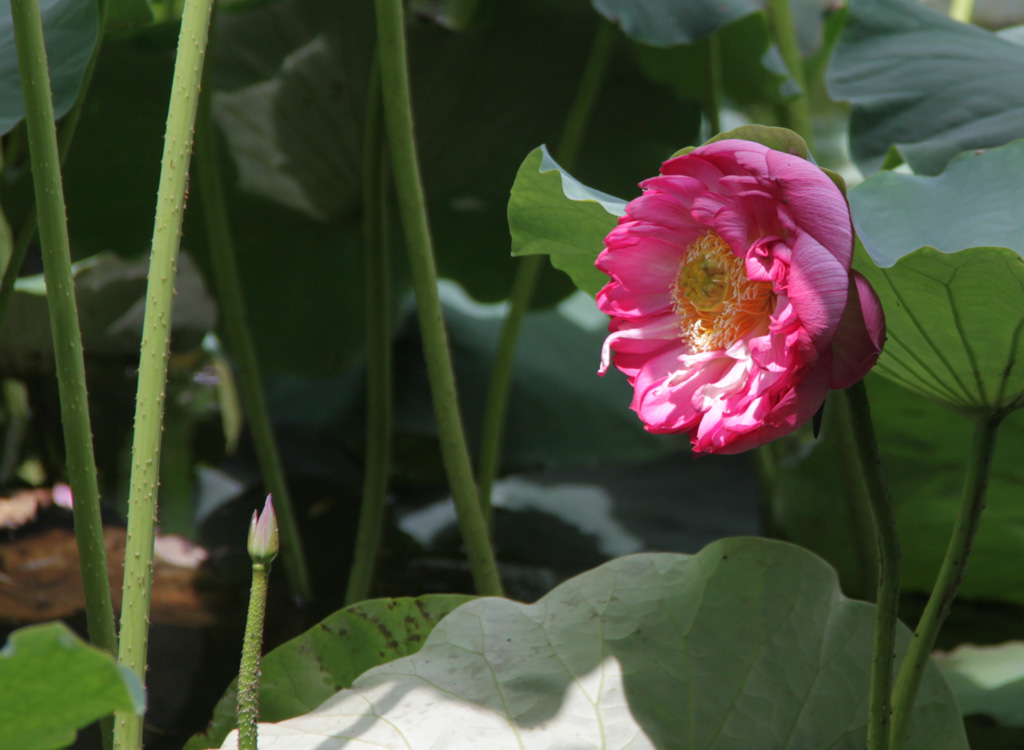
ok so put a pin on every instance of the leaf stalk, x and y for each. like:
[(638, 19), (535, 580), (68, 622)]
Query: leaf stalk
[(231, 303), (156, 335), (859, 426), (975, 490), (492, 434), (376, 255), (412, 204), (64, 325), (784, 30)]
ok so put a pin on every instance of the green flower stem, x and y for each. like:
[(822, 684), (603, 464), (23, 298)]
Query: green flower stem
[(149, 405), (492, 434), (233, 314), (869, 467), (578, 120), (950, 574), (961, 10), (412, 202), (784, 31), (67, 337), (68, 126), (249, 672), (378, 348), (528, 269)]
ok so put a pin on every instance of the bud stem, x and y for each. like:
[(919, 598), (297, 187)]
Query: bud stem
[(249, 671)]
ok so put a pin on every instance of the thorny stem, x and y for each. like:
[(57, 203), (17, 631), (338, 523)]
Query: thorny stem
[(378, 348), (412, 202), (156, 334), (249, 672), (528, 269), (67, 337), (951, 573)]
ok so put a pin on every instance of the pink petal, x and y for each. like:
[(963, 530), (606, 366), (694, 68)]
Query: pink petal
[(638, 336), (682, 187), (650, 266), (860, 336), (814, 202), (664, 209), (615, 300), (818, 285)]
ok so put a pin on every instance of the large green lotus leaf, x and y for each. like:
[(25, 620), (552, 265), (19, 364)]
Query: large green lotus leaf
[(954, 307), (551, 213), (954, 325), (299, 675), (987, 680), (70, 29), (292, 82), (924, 448), (748, 644), (930, 86), (52, 683)]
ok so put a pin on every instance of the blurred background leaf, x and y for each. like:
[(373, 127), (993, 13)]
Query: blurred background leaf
[(927, 85), (70, 30)]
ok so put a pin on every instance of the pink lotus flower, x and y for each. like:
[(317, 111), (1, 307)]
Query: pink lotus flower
[(733, 306)]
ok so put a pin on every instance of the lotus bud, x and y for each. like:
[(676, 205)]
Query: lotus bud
[(263, 540)]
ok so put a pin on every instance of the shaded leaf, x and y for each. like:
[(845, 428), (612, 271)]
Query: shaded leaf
[(563, 413), (70, 30), (128, 14), (295, 128), (52, 683), (746, 644), (752, 70), (924, 447), (299, 675), (665, 23), (110, 293), (931, 86)]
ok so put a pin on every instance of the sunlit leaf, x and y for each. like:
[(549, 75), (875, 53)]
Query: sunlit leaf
[(987, 680), (955, 307), (929, 85), (52, 683), (551, 213), (749, 643), (69, 28), (299, 675)]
